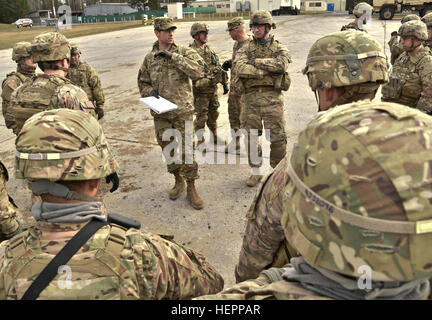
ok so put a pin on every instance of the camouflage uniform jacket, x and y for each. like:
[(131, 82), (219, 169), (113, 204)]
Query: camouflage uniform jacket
[(411, 81), (395, 48), (171, 78), (236, 85), (10, 84), (114, 264), (351, 25), (45, 92), (213, 72), (87, 78), (254, 58), (264, 234), (261, 289), (9, 225)]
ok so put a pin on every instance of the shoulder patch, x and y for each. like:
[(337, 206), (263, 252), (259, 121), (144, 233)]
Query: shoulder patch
[(12, 85), (90, 105)]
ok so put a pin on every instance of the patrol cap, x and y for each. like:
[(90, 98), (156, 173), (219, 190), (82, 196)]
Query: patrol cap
[(163, 24), (234, 23)]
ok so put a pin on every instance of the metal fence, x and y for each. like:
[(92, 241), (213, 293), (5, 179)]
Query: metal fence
[(200, 13)]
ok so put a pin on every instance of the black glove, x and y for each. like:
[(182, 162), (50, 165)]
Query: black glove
[(114, 178), (155, 94), (99, 112), (227, 65), (164, 54), (225, 87), (394, 33)]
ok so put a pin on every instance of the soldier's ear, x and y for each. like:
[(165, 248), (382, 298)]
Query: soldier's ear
[(156, 32)]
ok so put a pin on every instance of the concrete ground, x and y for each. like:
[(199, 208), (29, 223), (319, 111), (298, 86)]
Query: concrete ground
[(217, 230)]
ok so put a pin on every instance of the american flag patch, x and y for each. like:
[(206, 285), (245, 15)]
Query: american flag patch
[(90, 105), (12, 86)]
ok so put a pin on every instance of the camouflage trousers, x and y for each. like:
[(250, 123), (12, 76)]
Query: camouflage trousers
[(206, 110), (235, 103), (188, 171), (265, 106), (8, 222)]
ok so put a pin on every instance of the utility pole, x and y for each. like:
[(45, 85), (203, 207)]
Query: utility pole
[(55, 16)]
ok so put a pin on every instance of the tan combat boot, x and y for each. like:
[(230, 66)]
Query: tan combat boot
[(178, 188), (254, 180), (193, 196)]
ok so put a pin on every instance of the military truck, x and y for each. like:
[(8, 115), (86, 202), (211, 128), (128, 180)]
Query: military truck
[(387, 8)]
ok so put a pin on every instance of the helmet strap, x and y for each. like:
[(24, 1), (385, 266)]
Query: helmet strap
[(25, 69), (43, 186)]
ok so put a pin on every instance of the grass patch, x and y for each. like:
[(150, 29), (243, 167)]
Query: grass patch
[(9, 34)]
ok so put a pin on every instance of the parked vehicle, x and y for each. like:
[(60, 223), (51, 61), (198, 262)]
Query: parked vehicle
[(25, 22)]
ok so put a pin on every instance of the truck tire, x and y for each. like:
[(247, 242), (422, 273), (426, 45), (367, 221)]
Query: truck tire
[(386, 13)]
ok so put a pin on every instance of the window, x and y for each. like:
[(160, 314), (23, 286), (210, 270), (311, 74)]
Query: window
[(218, 6), (227, 5)]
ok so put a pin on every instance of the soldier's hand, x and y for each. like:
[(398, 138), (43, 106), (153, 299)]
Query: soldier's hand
[(164, 54), (155, 94), (227, 65), (114, 178), (225, 87), (99, 112)]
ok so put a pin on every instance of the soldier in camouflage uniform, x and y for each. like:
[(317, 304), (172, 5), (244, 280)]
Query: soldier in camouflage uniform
[(237, 31), (167, 71), (262, 66), (206, 99), (357, 208), (394, 42), (48, 90), (9, 225), (117, 262), (411, 77), (264, 242), (360, 14), (21, 53), (427, 19), (86, 77)]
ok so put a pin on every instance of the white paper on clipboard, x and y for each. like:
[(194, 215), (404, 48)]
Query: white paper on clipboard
[(158, 105)]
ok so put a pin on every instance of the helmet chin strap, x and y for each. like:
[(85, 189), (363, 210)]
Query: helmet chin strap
[(412, 48)]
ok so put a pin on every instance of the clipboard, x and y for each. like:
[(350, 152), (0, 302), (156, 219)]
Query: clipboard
[(158, 105)]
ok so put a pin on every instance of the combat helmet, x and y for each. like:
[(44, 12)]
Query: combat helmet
[(62, 144), (261, 17), (198, 27), (21, 50), (357, 193), (51, 46), (74, 48), (410, 17), (427, 19), (415, 29), (361, 9), (346, 58)]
